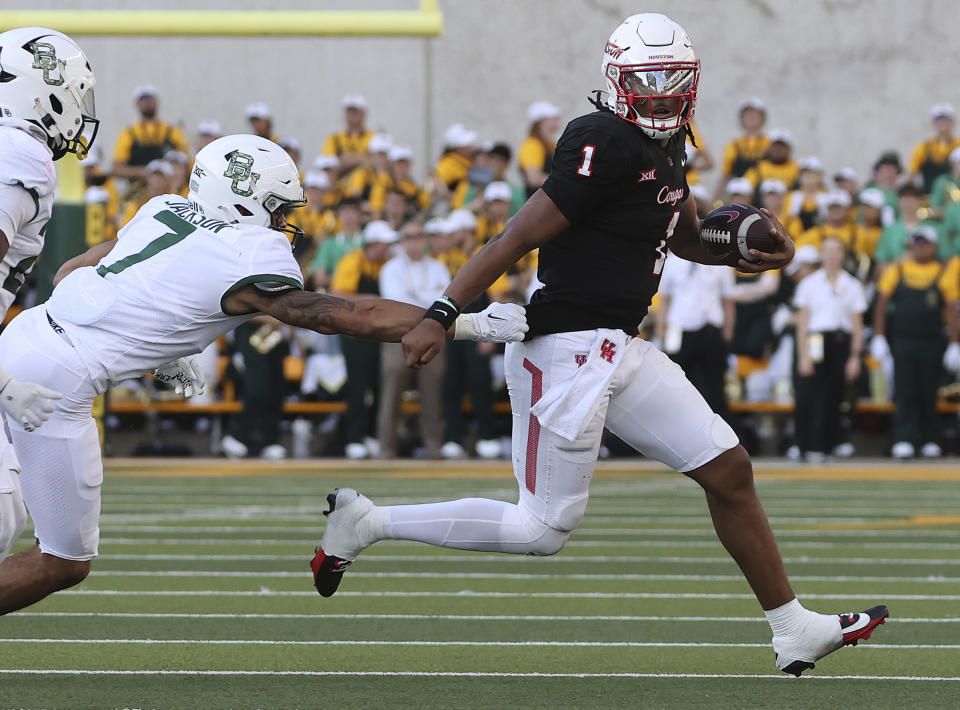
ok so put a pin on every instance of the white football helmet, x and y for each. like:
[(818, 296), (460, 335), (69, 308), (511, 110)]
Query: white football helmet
[(650, 73), (245, 179), (46, 79)]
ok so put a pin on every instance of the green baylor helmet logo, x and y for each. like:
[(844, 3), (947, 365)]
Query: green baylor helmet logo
[(45, 58), (239, 168)]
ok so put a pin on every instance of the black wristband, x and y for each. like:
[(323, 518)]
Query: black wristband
[(444, 310)]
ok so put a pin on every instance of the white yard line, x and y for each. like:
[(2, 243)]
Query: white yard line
[(516, 575), (467, 594), (569, 559), (432, 617), (474, 674), (559, 644)]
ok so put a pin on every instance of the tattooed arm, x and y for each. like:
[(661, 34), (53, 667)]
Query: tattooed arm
[(370, 318)]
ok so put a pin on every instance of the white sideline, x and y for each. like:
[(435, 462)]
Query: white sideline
[(726, 560), (518, 575), (475, 674), (467, 594), (429, 617), (561, 644)]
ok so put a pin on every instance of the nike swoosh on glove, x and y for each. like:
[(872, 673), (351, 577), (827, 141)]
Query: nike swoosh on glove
[(183, 374), (497, 323), (27, 404)]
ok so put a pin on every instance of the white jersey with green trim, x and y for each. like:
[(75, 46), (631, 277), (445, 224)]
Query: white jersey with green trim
[(158, 295), (27, 184)]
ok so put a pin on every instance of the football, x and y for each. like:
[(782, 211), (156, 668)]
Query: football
[(730, 231)]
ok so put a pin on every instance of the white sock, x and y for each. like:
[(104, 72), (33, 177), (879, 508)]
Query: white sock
[(473, 524), (803, 635)]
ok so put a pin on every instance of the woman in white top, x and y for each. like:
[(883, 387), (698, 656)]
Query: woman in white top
[(830, 304)]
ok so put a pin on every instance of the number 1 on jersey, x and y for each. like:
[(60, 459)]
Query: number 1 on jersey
[(585, 168), (662, 246)]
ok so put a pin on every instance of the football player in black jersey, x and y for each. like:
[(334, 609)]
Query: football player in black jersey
[(615, 201)]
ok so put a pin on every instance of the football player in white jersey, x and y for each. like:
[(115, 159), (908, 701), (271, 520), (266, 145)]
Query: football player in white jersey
[(46, 111), (182, 273)]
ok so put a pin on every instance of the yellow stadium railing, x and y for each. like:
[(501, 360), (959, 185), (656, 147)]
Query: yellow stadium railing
[(427, 21)]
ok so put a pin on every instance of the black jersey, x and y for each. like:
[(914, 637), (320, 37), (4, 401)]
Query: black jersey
[(621, 192)]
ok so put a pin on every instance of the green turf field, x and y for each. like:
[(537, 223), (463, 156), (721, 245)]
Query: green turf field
[(202, 598)]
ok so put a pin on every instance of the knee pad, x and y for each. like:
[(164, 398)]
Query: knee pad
[(544, 539)]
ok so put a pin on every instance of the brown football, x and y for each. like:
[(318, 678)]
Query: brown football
[(730, 231)]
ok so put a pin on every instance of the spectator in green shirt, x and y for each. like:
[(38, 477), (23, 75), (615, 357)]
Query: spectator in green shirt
[(886, 173), (332, 249), (946, 188), (893, 243)]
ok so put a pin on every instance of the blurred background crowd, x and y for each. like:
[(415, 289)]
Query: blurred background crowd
[(867, 312)]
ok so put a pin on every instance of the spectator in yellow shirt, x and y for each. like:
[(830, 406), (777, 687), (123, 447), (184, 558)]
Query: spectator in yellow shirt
[(740, 190), (159, 174), (316, 219), (835, 206), (745, 151), (180, 164), (846, 179), (459, 149), (777, 163), (398, 178), (804, 202), (536, 152), (930, 158), (330, 165), (373, 171), (773, 195), (260, 118), (350, 145), (146, 140), (873, 203)]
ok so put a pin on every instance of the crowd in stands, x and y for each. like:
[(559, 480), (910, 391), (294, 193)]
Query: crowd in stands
[(868, 309)]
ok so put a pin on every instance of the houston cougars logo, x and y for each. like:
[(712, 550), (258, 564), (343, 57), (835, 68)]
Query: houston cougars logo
[(668, 196), (614, 51)]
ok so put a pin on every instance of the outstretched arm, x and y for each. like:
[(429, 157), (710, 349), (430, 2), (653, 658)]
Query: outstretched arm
[(91, 257), (369, 318)]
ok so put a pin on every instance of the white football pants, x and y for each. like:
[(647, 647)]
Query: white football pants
[(61, 467), (649, 403)]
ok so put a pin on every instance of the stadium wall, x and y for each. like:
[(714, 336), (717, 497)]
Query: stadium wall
[(849, 78)]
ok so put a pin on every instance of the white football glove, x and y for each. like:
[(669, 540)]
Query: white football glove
[(951, 358), (183, 374), (497, 323), (27, 404), (879, 348)]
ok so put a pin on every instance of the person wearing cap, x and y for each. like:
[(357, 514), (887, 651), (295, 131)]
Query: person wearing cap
[(260, 118), (930, 158), (181, 164), (453, 168), (352, 143), (913, 214), (411, 276), (147, 139), (207, 132), (373, 170), (490, 165), (159, 177), (357, 275), (745, 151), (804, 202), (330, 164), (777, 163), (536, 152), (908, 324), (315, 219), (830, 306), (846, 179), (292, 146), (695, 323), (347, 239), (397, 178), (946, 188), (835, 208), (101, 200), (468, 364), (740, 190), (773, 197)]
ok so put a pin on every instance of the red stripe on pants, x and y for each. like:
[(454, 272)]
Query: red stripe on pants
[(533, 432)]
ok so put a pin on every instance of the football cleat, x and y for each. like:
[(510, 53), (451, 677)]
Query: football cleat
[(853, 628), (349, 530)]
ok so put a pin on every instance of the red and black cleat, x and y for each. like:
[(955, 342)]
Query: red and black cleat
[(858, 627), (327, 572)]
